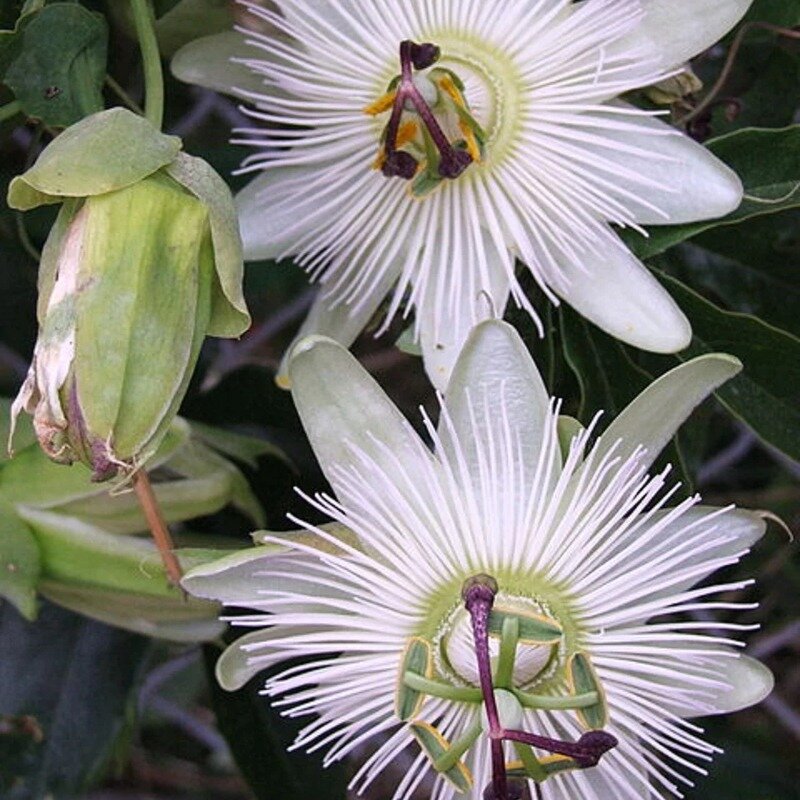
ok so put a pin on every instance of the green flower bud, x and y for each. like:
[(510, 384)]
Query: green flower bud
[(143, 262)]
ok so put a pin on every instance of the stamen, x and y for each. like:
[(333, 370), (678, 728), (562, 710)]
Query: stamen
[(452, 161), (479, 593)]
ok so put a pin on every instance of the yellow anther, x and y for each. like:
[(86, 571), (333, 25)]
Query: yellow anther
[(472, 143), (381, 104), (406, 134), (448, 86)]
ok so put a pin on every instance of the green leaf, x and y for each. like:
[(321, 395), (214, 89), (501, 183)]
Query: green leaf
[(19, 562), (247, 449), (74, 552), (55, 63), (765, 396), (785, 13), (767, 161), (173, 618), (31, 478), (259, 737), (608, 379), (76, 680), (751, 268), (99, 154)]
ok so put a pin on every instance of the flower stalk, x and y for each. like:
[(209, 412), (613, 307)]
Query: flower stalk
[(158, 527), (151, 60)]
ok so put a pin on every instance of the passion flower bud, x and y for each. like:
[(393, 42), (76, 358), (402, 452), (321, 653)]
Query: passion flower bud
[(675, 88), (143, 261)]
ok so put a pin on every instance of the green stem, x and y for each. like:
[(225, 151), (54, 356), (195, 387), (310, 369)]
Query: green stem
[(464, 694), (565, 703), (24, 239), (123, 95), (459, 747), (10, 110), (153, 76)]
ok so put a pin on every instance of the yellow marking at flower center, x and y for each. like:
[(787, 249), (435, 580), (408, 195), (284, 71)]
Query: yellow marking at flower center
[(382, 104), (448, 86)]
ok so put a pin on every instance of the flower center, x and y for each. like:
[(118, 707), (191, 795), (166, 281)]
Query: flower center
[(491, 651), (431, 134), (540, 646)]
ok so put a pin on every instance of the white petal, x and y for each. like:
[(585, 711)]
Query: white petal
[(327, 17), (238, 579), (616, 292), (744, 681), (445, 325), (750, 682), (654, 417), (207, 62), (238, 664), (268, 229), (690, 538), (678, 30), (696, 184), (495, 372), (341, 406), (341, 321)]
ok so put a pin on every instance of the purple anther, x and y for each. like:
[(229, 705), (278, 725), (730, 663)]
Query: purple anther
[(454, 163), (424, 55), (399, 164)]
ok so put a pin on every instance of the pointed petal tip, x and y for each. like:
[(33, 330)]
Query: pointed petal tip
[(750, 683), (309, 344)]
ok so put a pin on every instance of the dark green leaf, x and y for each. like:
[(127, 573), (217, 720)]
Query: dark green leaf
[(750, 268), (765, 91), (74, 679), (767, 161), (259, 737), (785, 13), (55, 63), (765, 396), (608, 379), (610, 375)]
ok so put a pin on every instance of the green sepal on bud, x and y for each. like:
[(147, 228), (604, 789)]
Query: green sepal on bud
[(143, 262)]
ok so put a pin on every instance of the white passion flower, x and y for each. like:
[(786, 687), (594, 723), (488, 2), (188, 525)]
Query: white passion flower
[(427, 146), (510, 599)]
